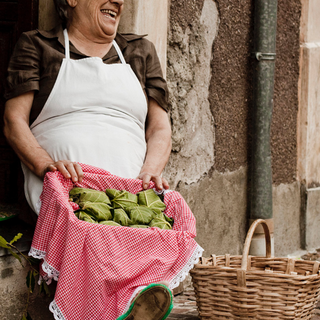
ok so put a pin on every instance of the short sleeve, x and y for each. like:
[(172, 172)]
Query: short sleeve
[(24, 68), (156, 86)]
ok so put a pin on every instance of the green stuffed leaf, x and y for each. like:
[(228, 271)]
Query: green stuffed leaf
[(100, 211), (141, 215), (139, 226), (125, 200), (158, 213), (112, 193), (82, 215), (84, 195), (160, 223), (170, 220), (121, 217), (150, 199), (110, 223)]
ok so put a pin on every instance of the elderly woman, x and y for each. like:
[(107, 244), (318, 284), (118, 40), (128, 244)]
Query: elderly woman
[(83, 93), (99, 99)]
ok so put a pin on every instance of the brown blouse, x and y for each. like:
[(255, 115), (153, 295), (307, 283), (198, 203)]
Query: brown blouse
[(37, 57)]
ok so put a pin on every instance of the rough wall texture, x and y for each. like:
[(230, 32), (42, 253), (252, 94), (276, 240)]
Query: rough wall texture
[(230, 86), (285, 111), (188, 74)]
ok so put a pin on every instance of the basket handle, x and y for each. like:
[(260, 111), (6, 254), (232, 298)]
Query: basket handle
[(244, 262)]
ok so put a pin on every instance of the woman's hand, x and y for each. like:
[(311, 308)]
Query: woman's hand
[(70, 170), (19, 136), (158, 137), (160, 182)]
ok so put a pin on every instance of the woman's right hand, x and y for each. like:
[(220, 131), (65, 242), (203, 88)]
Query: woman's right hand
[(19, 136), (70, 170)]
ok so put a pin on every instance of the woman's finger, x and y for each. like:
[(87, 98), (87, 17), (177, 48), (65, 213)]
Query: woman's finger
[(78, 171), (70, 166), (158, 182), (165, 183)]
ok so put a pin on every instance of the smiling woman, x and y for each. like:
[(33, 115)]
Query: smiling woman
[(83, 98), (94, 23)]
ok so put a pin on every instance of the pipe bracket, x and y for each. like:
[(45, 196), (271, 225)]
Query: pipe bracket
[(264, 56)]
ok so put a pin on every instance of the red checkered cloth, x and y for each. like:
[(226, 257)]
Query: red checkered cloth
[(100, 266)]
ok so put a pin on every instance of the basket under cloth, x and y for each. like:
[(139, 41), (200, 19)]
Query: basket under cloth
[(98, 267)]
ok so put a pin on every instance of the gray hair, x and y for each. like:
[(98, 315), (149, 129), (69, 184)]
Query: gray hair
[(61, 7)]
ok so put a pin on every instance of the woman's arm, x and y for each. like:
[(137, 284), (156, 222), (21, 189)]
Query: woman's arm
[(21, 139), (158, 137)]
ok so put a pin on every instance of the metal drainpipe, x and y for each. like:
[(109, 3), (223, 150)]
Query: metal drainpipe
[(265, 28)]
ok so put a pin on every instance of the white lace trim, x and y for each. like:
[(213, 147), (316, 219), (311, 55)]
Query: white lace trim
[(51, 272), (37, 254), (160, 192), (185, 271), (56, 311)]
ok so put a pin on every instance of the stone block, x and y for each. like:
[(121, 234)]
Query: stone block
[(313, 219), (286, 215), (219, 203)]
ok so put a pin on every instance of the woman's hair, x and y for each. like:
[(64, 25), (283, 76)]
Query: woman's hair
[(61, 7)]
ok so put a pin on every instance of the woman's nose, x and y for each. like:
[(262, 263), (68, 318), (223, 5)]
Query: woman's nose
[(118, 2)]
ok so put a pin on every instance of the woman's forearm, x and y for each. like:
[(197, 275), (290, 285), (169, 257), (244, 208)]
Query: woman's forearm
[(23, 142), (19, 136), (158, 138)]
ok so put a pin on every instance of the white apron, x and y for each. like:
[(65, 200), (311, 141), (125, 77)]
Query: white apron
[(95, 114)]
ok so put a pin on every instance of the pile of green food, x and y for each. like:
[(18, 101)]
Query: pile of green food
[(121, 208)]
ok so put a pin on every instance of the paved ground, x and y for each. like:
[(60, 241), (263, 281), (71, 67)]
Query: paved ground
[(185, 307)]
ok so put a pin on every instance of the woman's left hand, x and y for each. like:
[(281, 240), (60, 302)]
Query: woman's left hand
[(158, 138), (160, 182)]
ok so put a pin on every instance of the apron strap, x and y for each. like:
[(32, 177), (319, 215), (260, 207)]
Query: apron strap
[(119, 52), (66, 44), (67, 49)]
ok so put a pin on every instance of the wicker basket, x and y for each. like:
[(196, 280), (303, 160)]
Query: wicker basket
[(249, 287)]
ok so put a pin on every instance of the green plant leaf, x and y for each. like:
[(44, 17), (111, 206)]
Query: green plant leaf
[(121, 217), (151, 200), (41, 289), (3, 243), (24, 317), (46, 288), (16, 238), (15, 255), (141, 215), (30, 281)]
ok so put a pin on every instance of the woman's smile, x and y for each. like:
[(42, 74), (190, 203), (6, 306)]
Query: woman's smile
[(109, 13)]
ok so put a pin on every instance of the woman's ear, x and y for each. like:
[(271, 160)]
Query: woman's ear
[(72, 3)]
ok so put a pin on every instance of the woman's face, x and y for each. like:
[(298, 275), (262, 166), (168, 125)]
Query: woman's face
[(96, 18)]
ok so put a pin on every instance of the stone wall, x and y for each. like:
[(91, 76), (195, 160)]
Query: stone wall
[(209, 72)]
